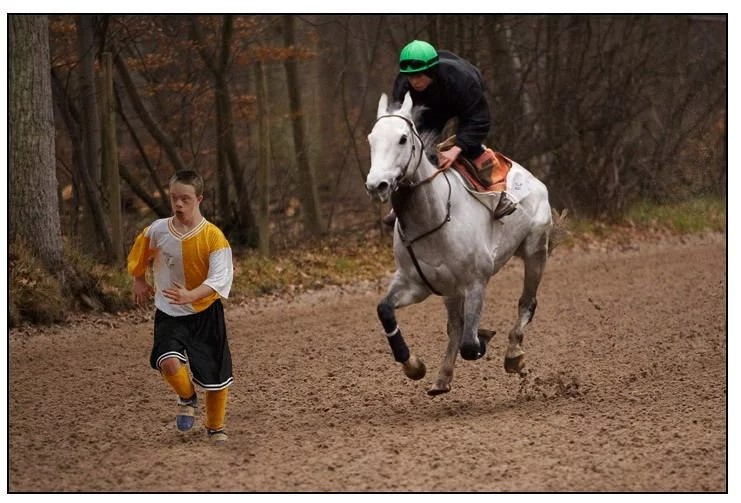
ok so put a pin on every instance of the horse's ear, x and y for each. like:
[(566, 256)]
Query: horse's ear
[(383, 104), (406, 107)]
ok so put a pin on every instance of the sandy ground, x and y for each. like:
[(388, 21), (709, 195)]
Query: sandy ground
[(626, 391)]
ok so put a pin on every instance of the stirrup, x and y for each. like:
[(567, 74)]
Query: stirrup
[(389, 219), (505, 207)]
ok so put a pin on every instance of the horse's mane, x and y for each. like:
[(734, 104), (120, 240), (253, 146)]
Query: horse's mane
[(430, 139)]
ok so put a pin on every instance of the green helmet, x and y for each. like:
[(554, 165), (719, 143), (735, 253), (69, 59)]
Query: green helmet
[(417, 56)]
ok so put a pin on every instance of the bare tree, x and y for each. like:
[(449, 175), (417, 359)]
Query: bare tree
[(149, 121), (71, 117), (264, 163), (33, 209), (307, 181), (606, 109), (246, 231)]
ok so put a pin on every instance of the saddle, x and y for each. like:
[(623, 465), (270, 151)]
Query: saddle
[(486, 173)]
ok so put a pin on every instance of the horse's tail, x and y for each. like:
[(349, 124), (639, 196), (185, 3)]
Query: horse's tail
[(559, 231)]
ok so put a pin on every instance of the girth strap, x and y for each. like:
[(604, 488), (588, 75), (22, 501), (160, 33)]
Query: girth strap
[(419, 270), (409, 242)]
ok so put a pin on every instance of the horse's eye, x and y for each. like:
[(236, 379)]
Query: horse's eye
[(403, 140)]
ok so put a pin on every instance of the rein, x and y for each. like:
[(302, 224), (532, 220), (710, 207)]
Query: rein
[(408, 242), (411, 186)]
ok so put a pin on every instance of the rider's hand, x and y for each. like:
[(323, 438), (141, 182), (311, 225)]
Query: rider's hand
[(447, 157)]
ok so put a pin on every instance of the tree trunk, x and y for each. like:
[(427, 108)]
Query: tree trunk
[(505, 85), (222, 180), (110, 159), (89, 126), (263, 167), (69, 116), (308, 193), (161, 206), (225, 129), (33, 209), (157, 133)]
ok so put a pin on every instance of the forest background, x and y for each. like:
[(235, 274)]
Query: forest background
[(612, 112)]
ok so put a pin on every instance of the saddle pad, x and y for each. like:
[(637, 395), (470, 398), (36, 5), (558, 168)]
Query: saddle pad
[(518, 188), (500, 168)]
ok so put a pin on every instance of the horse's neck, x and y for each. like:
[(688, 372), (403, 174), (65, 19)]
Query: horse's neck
[(424, 203)]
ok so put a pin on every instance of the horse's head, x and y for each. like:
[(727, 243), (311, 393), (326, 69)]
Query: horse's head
[(393, 149)]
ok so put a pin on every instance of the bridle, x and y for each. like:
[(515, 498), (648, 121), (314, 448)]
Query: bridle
[(413, 185), (413, 128)]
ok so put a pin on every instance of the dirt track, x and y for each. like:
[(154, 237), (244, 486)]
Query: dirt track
[(626, 392)]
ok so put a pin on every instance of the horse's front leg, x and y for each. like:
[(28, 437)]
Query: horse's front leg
[(472, 347), (401, 294), (454, 307)]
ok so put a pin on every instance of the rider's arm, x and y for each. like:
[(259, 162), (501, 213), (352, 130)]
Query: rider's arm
[(473, 117)]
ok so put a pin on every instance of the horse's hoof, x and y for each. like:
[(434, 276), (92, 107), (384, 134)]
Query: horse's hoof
[(438, 389), (473, 352), (514, 365), (414, 368)]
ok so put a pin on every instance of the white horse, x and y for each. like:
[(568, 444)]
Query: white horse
[(446, 242)]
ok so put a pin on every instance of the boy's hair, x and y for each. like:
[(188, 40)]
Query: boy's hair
[(189, 177)]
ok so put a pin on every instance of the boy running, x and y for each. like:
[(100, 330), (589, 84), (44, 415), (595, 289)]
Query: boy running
[(192, 263)]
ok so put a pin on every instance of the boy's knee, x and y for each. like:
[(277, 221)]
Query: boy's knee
[(170, 366)]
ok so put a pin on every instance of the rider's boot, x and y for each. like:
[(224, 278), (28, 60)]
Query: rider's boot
[(389, 219), (505, 207)]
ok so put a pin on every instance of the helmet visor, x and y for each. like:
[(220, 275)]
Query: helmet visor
[(416, 65)]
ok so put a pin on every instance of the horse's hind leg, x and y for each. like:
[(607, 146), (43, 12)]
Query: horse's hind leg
[(514, 359), (455, 329), (400, 295), (473, 348)]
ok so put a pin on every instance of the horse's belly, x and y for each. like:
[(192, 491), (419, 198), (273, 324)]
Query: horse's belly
[(449, 270)]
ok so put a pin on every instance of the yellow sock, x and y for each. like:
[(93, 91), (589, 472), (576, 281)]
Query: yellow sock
[(181, 383), (216, 408)]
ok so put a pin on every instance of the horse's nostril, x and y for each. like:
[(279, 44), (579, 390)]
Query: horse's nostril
[(383, 186)]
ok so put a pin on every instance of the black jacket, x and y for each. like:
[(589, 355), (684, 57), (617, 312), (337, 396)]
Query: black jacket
[(457, 90)]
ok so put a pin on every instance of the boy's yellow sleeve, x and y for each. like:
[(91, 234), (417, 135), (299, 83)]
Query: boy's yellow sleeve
[(139, 255)]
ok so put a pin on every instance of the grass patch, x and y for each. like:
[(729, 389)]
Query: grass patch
[(34, 294), (334, 261), (700, 214), (707, 213)]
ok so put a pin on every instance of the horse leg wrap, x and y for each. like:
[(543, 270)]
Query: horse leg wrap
[(396, 341), (472, 351), (386, 315), (398, 346)]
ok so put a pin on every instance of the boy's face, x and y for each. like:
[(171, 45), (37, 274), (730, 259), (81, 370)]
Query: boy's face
[(185, 204)]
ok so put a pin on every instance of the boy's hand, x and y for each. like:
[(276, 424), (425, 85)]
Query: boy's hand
[(141, 292), (178, 294)]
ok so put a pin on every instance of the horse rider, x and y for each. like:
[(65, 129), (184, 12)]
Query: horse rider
[(448, 86)]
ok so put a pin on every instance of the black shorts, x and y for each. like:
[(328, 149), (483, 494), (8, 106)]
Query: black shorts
[(198, 339)]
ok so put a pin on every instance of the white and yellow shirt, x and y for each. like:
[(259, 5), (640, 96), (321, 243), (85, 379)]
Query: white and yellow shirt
[(201, 256)]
